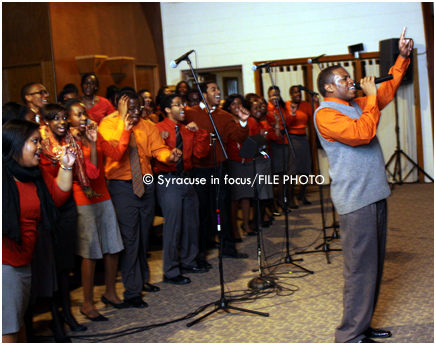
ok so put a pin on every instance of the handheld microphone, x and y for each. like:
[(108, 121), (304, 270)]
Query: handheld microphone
[(302, 88), (377, 81), (315, 59), (175, 62), (254, 67)]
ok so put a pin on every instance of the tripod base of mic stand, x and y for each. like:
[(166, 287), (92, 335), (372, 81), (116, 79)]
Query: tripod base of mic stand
[(288, 260), (223, 304), (260, 283)]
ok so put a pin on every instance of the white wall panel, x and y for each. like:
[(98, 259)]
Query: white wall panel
[(238, 33)]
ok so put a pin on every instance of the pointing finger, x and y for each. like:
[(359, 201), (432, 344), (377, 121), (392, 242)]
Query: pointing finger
[(403, 33)]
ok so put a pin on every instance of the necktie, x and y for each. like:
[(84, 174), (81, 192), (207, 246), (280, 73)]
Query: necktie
[(179, 145), (135, 167)]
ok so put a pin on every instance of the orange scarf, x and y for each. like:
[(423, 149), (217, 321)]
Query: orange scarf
[(53, 151)]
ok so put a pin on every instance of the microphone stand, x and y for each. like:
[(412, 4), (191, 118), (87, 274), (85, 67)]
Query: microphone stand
[(288, 258), (397, 155), (260, 282), (222, 303), (325, 244)]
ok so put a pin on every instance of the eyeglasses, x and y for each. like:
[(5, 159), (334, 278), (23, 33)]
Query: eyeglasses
[(42, 93), (176, 105)]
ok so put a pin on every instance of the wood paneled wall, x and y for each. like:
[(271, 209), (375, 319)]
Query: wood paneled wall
[(112, 29), (39, 35), (27, 55)]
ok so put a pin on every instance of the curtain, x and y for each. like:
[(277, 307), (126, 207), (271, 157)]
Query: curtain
[(284, 78)]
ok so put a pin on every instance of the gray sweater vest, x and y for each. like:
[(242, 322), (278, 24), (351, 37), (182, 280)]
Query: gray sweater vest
[(358, 173)]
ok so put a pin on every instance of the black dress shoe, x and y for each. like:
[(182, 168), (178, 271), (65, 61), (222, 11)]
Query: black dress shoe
[(204, 264), (305, 201), (57, 337), (266, 224), (186, 269), (136, 302), (115, 305), (179, 280), (150, 288), (367, 340), (212, 245), (235, 255), (248, 233), (95, 319), (74, 325), (377, 333)]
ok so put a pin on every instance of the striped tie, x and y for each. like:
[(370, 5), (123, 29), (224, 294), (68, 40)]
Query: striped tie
[(179, 145), (135, 167)]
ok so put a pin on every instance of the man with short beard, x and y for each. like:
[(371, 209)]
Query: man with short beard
[(346, 127)]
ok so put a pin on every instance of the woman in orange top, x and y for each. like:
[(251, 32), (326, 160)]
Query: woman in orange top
[(300, 122), (98, 232), (279, 152), (148, 110), (300, 164), (182, 89)]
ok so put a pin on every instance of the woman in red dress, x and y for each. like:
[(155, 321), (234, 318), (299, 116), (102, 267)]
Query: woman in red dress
[(98, 107)]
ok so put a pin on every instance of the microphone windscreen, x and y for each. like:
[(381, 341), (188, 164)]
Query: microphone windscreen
[(254, 68), (173, 64)]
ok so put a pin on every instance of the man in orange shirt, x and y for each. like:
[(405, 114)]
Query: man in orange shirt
[(132, 198), (346, 127)]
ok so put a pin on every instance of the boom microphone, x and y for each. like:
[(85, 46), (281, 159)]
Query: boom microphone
[(175, 62), (376, 80), (302, 88), (254, 67), (315, 59)]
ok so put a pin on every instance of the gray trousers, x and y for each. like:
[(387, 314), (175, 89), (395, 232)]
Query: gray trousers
[(135, 218), (179, 205), (363, 236)]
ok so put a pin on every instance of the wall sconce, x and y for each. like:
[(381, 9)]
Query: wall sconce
[(119, 67), (119, 64), (90, 63)]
